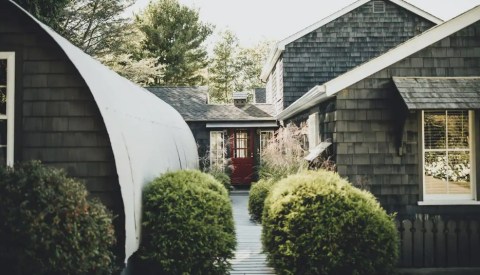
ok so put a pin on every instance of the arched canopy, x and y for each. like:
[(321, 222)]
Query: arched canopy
[(148, 137)]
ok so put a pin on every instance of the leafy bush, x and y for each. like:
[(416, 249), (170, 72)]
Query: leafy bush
[(187, 225), (284, 153), (223, 178), (48, 226), (317, 223), (258, 193)]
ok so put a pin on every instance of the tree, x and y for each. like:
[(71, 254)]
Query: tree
[(143, 71), (224, 68), (251, 61), (51, 12), (96, 26), (175, 35)]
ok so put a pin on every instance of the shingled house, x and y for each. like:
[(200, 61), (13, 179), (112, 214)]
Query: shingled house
[(60, 106), (338, 43), (235, 132), (406, 126)]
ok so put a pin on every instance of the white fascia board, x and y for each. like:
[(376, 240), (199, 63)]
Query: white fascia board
[(313, 97), (418, 11), (402, 51), (266, 124)]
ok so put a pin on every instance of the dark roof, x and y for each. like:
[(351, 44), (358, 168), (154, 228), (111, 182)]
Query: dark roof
[(191, 103), (439, 92)]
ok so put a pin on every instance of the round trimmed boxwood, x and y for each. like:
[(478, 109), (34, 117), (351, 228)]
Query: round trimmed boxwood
[(187, 225), (49, 226), (223, 178), (257, 195), (317, 223)]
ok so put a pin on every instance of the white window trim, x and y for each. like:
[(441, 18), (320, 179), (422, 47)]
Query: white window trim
[(10, 116), (264, 131), (313, 131), (449, 199), (211, 156)]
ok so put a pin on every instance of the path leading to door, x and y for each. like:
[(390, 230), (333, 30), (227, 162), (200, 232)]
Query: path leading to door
[(249, 258)]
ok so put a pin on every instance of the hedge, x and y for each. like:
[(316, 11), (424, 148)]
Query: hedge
[(49, 226), (317, 223), (188, 225), (258, 193)]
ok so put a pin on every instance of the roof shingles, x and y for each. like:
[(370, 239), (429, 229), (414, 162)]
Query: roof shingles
[(191, 103)]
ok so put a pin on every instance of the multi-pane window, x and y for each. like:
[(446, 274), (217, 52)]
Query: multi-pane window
[(217, 150), (447, 142), (265, 137), (7, 63), (241, 144)]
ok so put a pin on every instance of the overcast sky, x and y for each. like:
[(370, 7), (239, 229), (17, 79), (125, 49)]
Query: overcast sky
[(254, 20)]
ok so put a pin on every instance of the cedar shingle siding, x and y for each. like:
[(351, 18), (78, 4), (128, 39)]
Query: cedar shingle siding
[(342, 45), (57, 120), (367, 115)]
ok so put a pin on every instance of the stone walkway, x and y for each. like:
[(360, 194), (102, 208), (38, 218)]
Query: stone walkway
[(249, 258)]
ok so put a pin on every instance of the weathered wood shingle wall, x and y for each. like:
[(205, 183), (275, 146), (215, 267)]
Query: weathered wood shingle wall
[(57, 120), (344, 44), (366, 124)]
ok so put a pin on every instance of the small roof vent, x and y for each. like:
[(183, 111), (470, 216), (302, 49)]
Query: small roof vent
[(240, 98), (378, 7)]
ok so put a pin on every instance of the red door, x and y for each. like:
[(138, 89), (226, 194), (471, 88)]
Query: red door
[(242, 155)]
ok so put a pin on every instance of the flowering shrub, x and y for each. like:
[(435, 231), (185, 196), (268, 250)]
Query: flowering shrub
[(439, 167)]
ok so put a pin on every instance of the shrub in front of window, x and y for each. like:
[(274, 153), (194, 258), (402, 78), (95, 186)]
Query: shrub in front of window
[(222, 177), (317, 223), (187, 225), (258, 193), (48, 226)]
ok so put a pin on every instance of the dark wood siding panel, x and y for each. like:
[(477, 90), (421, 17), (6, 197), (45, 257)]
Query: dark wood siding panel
[(344, 44), (57, 120), (366, 120)]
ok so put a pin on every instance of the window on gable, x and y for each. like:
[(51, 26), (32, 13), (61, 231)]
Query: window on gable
[(7, 68), (378, 7), (447, 155), (217, 150)]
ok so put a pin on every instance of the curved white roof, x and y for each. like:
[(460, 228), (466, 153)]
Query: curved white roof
[(148, 137)]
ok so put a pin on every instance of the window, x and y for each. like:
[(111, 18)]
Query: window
[(448, 169), (217, 150), (7, 96), (241, 144), (378, 7), (265, 137)]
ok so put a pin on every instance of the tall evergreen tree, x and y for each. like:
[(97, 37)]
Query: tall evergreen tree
[(96, 26), (224, 69), (51, 12), (175, 35)]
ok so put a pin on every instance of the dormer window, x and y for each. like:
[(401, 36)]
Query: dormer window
[(378, 7), (240, 98)]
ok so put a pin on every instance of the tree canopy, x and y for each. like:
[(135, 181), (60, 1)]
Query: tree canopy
[(175, 35), (49, 11)]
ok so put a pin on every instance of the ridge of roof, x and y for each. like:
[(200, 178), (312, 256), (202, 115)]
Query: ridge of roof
[(280, 46), (329, 89)]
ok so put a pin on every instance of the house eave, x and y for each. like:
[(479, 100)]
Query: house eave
[(316, 95)]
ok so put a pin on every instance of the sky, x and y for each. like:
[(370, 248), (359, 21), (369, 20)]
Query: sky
[(256, 20)]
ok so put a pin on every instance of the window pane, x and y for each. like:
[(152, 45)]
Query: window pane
[(457, 122), (3, 72), (459, 173), (3, 100), (435, 173), (3, 132), (3, 155), (217, 150), (435, 130)]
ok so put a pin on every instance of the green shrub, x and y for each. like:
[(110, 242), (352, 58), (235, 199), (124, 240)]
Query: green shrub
[(48, 226), (223, 178), (317, 223), (187, 225), (258, 193)]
